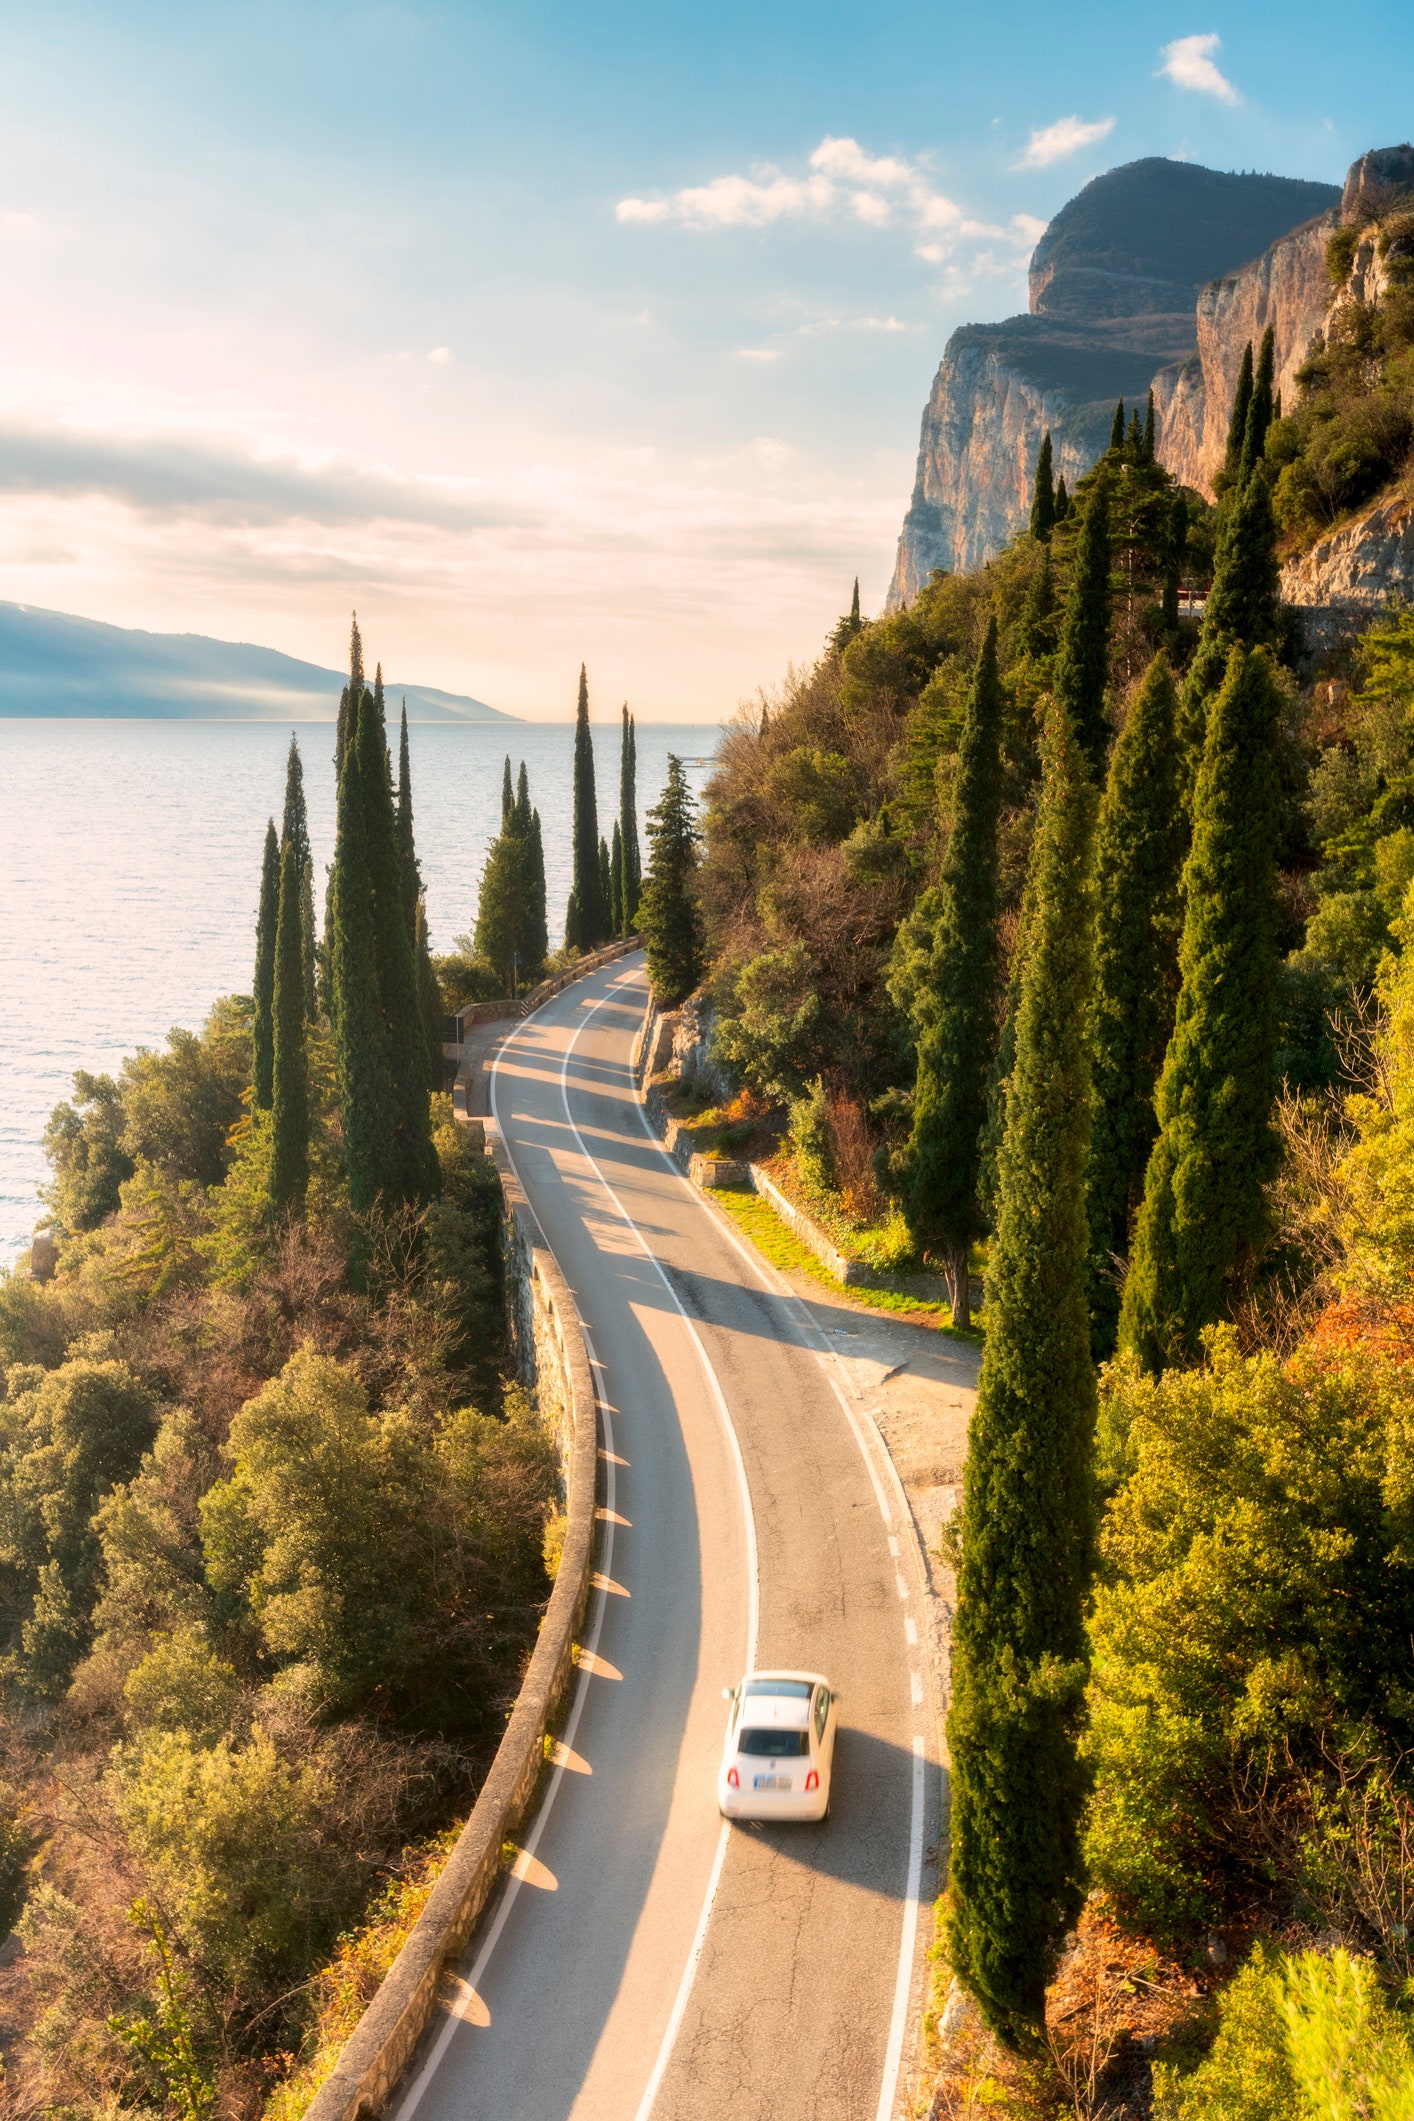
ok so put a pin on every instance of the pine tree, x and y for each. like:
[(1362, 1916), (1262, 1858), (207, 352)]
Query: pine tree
[(631, 879), (1117, 428), (1043, 492), (1237, 423), (587, 912), (295, 832), (1243, 606), (669, 919), (956, 1007), (1203, 1206), (1082, 659), (1027, 1527), (1139, 848), (263, 1028), (616, 881), (289, 1154), (1038, 613), (1062, 501), (1149, 430)]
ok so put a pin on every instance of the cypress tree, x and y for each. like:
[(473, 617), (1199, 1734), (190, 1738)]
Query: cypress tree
[(508, 801), (289, 1154), (955, 1013), (539, 925), (351, 698), (1117, 428), (1082, 659), (1139, 848), (1237, 422), (631, 880), (669, 919), (616, 881), (1203, 1203), (359, 1043), (1243, 605), (1062, 501), (510, 919), (1038, 613), (1149, 430), (266, 921), (606, 887), (411, 1172), (1043, 493), (295, 832), (1027, 1527), (415, 912), (586, 911), (1261, 409), (1175, 552), (1134, 439), (407, 848), (854, 618), (430, 995)]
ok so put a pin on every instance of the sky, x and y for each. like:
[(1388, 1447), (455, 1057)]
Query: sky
[(548, 333)]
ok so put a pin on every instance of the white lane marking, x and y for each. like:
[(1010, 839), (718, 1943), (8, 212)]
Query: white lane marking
[(916, 1688), (472, 2009), (910, 1631), (689, 1973), (893, 1547), (893, 2054)]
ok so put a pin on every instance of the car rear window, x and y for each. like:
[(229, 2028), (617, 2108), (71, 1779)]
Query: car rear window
[(776, 1745), (793, 1689)]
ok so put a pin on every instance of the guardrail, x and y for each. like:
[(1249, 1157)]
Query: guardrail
[(549, 1345)]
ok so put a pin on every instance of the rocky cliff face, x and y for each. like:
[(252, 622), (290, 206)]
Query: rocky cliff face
[(1114, 288)]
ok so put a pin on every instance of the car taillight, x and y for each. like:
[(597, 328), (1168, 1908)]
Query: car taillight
[(812, 1780), (733, 1779)]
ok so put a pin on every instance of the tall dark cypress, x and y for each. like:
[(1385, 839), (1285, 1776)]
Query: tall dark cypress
[(1261, 410), (1149, 430), (616, 881), (1237, 421), (1139, 849), (289, 1112), (1043, 492), (1082, 659), (360, 1047), (1062, 501), (1204, 1204), (539, 904), (606, 887), (631, 879), (415, 911), (1117, 427), (1038, 613), (1243, 605), (263, 1029), (294, 832), (407, 847), (410, 1167), (508, 800), (586, 912), (430, 997), (1174, 555), (956, 1003), (1134, 439), (1019, 1657), (352, 697)]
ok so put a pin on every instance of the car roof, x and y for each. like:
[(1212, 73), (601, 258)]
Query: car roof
[(815, 1678), (786, 1712)]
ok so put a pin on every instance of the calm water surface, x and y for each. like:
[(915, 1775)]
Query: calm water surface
[(129, 872)]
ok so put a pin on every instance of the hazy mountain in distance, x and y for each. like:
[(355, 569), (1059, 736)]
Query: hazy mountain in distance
[(54, 664)]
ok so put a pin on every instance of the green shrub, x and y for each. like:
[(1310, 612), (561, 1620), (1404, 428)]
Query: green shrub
[(810, 1138), (769, 1023), (1340, 255)]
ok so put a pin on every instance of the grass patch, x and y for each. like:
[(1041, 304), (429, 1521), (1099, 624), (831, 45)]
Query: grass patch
[(760, 1222)]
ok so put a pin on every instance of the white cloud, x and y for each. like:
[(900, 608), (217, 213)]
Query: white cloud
[(758, 353), (1052, 143), (842, 178), (1188, 62), (441, 356), (1028, 229)]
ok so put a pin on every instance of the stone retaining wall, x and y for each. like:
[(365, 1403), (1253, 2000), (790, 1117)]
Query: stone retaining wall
[(549, 1353)]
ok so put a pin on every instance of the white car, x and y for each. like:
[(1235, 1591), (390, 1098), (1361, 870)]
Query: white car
[(780, 1747)]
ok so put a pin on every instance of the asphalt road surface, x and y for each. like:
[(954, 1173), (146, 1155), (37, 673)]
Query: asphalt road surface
[(645, 1957)]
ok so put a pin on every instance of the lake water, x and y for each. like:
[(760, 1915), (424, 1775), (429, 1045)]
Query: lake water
[(129, 873)]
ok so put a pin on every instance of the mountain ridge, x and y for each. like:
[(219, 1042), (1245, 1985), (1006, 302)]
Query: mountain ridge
[(58, 665)]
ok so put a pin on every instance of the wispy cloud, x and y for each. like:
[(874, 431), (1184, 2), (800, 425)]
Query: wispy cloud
[(842, 178), (1188, 63), (1052, 143)]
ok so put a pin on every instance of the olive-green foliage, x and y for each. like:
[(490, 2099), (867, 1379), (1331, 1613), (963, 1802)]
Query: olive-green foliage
[(1349, 434), (67, 1438), (1300, 2038), (769, 1022), (362, 1546), (234, 1839), (33, 1325), (1257, 1596), (182, 1685), (1082, 658), (669, 917), (1138, 856), (151, 1572), (954, 1004), (263, 983), (173, 1110), (1027, 1529), (811, 1141), (1204, 1208)]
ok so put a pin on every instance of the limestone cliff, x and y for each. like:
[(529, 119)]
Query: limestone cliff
[(1114, 288)]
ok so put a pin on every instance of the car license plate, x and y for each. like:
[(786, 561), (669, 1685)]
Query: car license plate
[(771, 1782)]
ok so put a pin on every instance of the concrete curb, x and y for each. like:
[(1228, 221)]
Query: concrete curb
[(550, 1348)]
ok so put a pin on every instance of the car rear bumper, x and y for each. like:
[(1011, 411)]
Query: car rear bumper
[(736, 1804)]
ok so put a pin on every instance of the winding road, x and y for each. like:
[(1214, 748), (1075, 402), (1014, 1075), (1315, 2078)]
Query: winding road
[(644, 1957)]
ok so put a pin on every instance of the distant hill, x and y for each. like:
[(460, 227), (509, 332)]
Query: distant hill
[(54, 664)]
